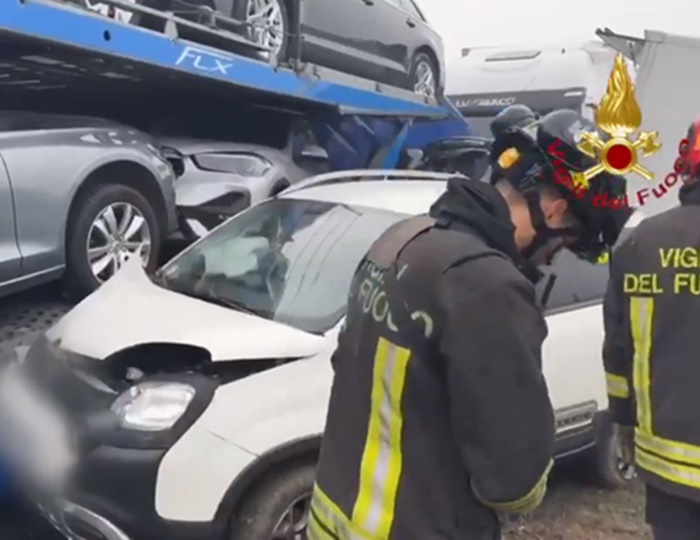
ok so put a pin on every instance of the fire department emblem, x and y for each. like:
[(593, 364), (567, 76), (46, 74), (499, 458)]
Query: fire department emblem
[(619, 116)]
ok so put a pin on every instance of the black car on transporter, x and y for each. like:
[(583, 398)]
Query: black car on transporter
[(388, 41)]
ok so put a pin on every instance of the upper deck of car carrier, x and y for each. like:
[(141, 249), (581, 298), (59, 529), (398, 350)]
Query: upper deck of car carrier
[(57, 53)]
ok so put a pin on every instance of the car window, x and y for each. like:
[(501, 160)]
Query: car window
[(577, 281), (411, 7), (288, 260)]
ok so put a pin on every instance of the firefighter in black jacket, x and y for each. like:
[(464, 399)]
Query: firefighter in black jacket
[(651, 357), (439, 415)]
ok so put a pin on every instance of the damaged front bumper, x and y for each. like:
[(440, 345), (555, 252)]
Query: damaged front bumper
[(88, 476)]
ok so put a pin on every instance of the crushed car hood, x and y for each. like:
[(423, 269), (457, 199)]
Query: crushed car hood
[(130, 310)]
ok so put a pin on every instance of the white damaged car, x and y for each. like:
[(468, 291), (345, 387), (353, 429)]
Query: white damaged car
[(190, 405)]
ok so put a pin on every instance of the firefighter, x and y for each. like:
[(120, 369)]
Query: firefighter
[(439, 415), (651, 354)]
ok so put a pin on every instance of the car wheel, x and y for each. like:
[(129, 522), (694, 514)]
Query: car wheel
[(279, 506), (269, 24), (611, 471), (109, 224), (424, 76)]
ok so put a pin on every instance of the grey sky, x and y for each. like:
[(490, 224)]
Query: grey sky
[(469, 23)]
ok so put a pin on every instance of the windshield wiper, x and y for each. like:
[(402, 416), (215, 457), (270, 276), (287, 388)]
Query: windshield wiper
[(222, 301), (208, 296)]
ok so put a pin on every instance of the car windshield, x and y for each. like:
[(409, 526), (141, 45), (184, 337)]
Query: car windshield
[(287, 260)]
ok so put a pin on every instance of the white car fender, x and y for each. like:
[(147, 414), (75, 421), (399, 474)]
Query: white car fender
[(271, 409), (247, 418)]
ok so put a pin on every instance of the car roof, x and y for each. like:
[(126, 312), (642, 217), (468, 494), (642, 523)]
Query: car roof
[(402, 196)]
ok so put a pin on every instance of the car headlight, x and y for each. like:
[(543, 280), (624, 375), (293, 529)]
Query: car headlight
[(234, 163), (153, 406)]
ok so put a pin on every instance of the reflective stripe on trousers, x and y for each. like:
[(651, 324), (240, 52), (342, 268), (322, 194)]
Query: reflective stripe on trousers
[(675, 461), (617, 386), (382, 458), (328, 522)]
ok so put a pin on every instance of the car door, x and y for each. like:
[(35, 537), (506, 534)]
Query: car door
[(572, 353), (359, 37), (10, 257)]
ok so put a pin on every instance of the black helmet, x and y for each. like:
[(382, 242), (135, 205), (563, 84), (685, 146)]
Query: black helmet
[(546, 152), (467, 155), (513, 116)]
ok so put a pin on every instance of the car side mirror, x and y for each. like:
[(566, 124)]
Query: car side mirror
[(414, 158)]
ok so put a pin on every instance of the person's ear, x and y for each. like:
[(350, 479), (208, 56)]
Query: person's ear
[(555, 210)]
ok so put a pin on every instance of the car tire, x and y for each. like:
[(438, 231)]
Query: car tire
[(422, 62), (79, 278), (610, 472), (241, 13), (264, 509)]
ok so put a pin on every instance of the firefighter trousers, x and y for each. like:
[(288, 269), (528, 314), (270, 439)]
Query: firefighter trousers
[(672, 517), (662, 533)]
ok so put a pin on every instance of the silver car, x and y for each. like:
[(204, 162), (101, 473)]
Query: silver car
[(78, 197), (219, 179)]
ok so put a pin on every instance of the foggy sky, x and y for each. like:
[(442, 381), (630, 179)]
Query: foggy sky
[(469, 23)]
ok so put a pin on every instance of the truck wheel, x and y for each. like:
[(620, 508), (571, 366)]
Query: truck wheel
[(611, 472), (108, 225), (278, 506)]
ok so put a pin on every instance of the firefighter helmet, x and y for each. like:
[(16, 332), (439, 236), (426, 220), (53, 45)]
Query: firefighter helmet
[(546, 152)]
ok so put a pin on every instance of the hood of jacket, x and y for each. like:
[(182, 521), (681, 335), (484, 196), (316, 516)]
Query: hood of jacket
[(480, 208)]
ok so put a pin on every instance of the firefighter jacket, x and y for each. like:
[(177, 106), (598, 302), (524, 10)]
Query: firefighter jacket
[(651, 310), (439, 413)]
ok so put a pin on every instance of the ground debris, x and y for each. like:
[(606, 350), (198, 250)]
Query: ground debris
[(577, 510)]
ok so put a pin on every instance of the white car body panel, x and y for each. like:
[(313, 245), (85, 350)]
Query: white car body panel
[(129, 310), (572, 360), (193, 494)]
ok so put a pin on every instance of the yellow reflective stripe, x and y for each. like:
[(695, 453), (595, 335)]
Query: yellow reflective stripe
[(678, 474), (382, 459), (330, 516), (524, 504), (617, 386), (641, 318), (668, 449), (315, 531)]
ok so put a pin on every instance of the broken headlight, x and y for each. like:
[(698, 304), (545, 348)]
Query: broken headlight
[(153, 406)]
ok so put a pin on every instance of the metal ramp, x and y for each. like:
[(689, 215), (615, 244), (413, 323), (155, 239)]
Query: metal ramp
[(61, 49)]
